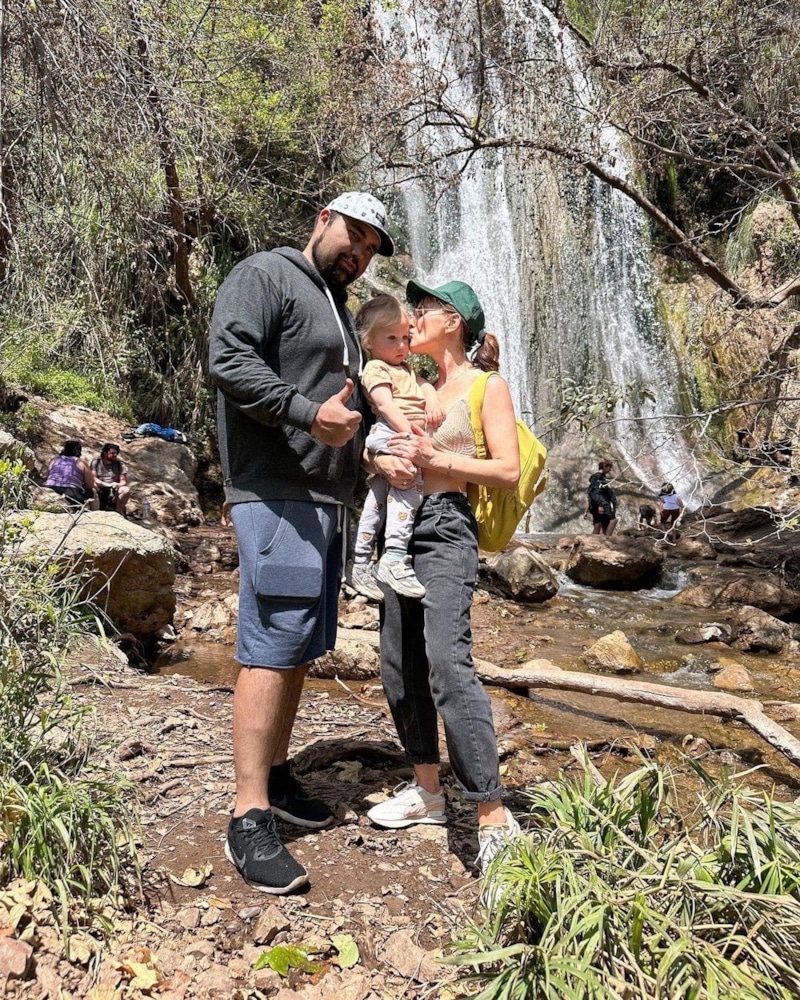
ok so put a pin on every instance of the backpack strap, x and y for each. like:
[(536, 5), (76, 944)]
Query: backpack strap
[(476, 397)]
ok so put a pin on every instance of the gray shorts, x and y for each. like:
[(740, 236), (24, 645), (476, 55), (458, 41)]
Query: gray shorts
[(289, 569)]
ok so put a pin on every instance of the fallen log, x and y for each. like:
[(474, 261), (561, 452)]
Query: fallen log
[(544, 674)]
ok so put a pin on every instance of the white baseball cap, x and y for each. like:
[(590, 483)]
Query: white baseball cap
[(365, 207)]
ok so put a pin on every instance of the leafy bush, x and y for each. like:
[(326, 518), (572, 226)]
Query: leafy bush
[(619, 894), (63, 819)]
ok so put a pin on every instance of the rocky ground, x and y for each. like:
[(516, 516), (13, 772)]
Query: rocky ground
[(382, 904)]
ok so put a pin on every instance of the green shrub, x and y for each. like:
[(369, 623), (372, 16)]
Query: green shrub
[(63, 819), (618, 893)]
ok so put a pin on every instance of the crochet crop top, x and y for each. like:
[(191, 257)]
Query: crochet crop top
[(455, 432)]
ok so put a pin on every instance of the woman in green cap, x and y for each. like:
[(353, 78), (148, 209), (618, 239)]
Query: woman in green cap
[(426, 644)]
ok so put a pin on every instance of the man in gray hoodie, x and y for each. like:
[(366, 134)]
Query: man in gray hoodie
[(285, 358)]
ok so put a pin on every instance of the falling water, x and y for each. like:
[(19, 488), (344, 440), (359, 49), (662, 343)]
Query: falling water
[(561, 262)]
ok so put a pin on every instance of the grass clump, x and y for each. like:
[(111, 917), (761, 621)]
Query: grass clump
[(64, 818), (620, 893)]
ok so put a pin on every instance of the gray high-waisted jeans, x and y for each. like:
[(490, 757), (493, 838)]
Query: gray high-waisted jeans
[(426, 651)]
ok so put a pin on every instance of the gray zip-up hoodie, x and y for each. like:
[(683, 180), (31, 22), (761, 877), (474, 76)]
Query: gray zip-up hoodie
[(276, 354)]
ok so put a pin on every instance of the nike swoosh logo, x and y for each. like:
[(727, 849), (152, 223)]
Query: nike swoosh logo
[(239, 860)]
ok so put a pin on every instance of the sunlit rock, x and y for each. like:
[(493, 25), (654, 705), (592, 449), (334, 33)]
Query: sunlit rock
[(624, 563), (757, 631), (733, 677), (522, 574), (132, 570), (351, 660), (727, 587), (707, 632), (613, 653)]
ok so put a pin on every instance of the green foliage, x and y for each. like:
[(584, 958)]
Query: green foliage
[(347, 950), (63, 820), (40, 364), (619, 893), (283, 957), (184, 136), (589, 405), (24, 423)]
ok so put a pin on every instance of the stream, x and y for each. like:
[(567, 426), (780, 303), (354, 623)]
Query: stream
[(508, 633)]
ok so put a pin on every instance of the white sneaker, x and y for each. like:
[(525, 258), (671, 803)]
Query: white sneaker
[(400, 576), (409, 805), (359, 577), (494, 838)]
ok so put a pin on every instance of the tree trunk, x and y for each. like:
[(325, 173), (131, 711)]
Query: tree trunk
[(543, 674), (183, 282)]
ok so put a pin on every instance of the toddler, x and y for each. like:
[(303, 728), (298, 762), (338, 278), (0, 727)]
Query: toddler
[(399, 398)]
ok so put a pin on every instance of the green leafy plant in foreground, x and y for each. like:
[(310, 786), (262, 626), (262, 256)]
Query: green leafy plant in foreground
[(618, 893), (64, 820)]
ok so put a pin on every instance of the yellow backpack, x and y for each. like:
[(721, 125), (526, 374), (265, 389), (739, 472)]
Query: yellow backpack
[(497, 510)]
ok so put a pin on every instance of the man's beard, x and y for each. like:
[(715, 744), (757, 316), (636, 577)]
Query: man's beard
[(329, 268)]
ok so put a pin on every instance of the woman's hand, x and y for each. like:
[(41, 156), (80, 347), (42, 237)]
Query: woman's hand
[(400, 473), (415, 447)]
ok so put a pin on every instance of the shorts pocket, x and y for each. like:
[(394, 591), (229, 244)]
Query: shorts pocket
[(291, 566), (302, 578)]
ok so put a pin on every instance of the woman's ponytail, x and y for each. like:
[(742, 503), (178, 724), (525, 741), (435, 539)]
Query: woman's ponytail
[(487, 354)]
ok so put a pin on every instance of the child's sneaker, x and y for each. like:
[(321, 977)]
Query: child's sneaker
[(400, 576), (359, 577), (409, 805), (494, 838)]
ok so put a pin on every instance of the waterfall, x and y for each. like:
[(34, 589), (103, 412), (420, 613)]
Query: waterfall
[(561, 262)]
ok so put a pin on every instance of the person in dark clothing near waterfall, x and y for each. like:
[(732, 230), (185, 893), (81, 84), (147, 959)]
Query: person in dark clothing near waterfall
[(285, 358), (601, 504)]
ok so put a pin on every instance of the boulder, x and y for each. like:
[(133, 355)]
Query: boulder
[(522, 574), (613, 652), (623, 563), (757, 631), (695, 548), (351, 660), (733, 677), (132, 569), (759, 590), (216, 619), (707, 632)]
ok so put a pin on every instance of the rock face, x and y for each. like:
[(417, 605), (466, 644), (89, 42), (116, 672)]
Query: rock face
[(132, 569), (613, 653), (725, 587), (522, 574), (625, 563), (160, 471)]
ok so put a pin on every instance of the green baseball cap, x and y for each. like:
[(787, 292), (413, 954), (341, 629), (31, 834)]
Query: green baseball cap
[(457, 294)]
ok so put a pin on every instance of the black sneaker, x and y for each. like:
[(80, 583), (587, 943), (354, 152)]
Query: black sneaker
[(254, 847), (290, 802)]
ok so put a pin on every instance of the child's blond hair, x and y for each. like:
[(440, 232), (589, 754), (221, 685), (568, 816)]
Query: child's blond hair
[(380, 311)]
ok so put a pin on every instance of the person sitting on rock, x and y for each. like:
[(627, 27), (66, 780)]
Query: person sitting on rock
[(111, 489), (70, 476)]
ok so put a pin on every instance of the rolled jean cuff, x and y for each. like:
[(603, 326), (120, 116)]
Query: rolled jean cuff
[(490, 796), (423, 758)]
